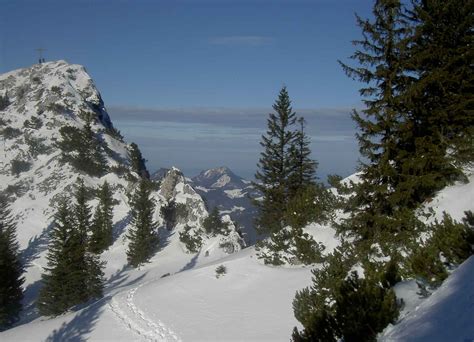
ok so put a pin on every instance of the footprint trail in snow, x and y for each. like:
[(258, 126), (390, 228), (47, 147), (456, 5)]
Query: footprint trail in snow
[(134, 319)]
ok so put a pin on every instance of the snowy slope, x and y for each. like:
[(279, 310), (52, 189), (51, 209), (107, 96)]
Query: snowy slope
[(447, 315), (251, 302)]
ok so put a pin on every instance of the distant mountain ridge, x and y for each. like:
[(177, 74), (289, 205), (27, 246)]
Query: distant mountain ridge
[(222, 188), (219, 178)]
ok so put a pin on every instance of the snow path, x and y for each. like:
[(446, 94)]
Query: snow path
[(135, 320)]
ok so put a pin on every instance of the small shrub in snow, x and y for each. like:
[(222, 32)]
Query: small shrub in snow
[(214, 225), (193, 242), (56, 108), (4, 102), (56, 90), (220, 271), (36, 146), (33, 123), (10, 132), (18, 166)]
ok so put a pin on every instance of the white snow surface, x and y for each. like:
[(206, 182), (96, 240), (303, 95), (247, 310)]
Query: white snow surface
[(447, 315)]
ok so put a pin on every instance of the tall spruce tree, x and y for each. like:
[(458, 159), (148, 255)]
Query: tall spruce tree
[(55, 295), (86, 271), (440, 120), (137, 161), (275, 166), (74, 274), (303, 173), (11, 269), (142, 236), (382, 58), (102, 224)]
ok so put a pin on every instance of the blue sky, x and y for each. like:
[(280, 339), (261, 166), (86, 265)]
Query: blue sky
[(177, 56)]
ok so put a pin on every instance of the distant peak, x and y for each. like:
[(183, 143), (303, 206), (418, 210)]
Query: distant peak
[(217, 171)]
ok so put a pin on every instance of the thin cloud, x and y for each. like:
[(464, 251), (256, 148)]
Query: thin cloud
[(241, 40)]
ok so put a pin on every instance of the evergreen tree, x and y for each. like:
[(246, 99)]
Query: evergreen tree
[(303, 172), (74, 275), (142, 236), (86, 271), (89, 152), (82, 148), (439, 123), (11, 269), (4, 101), (102, 224), (213, 224), (382, 59), (137, 161), (275, 165), (55, 295), (82, 211), (340, 306)]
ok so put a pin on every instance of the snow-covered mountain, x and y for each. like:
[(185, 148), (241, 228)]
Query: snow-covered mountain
[(41, 100), (221, 188)]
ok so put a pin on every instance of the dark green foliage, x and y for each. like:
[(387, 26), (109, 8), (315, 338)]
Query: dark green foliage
[(11, 269), (338, 307), (33, 123), (10, 132), (114, 132), (363, 309), (220, 271), (82, 211), (102, 224), (441, 97), (303, 168), (306, 250), (56, 89), (275, 165), (192, 242), (381, 66), (56, 108), (169, 214), (143, 237), (36, 146), (426, 264), (18, 166), (335, 181), (450, 240), (74, 275), (311, 203), (213, 224), (173, 212), (137, 161), (287, 180), (391, 275), (4, 102), (83, 149), (468, 220), (54, 295)]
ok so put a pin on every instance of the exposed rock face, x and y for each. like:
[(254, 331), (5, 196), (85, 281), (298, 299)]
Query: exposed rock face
[(169, 182), (191, 212)]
